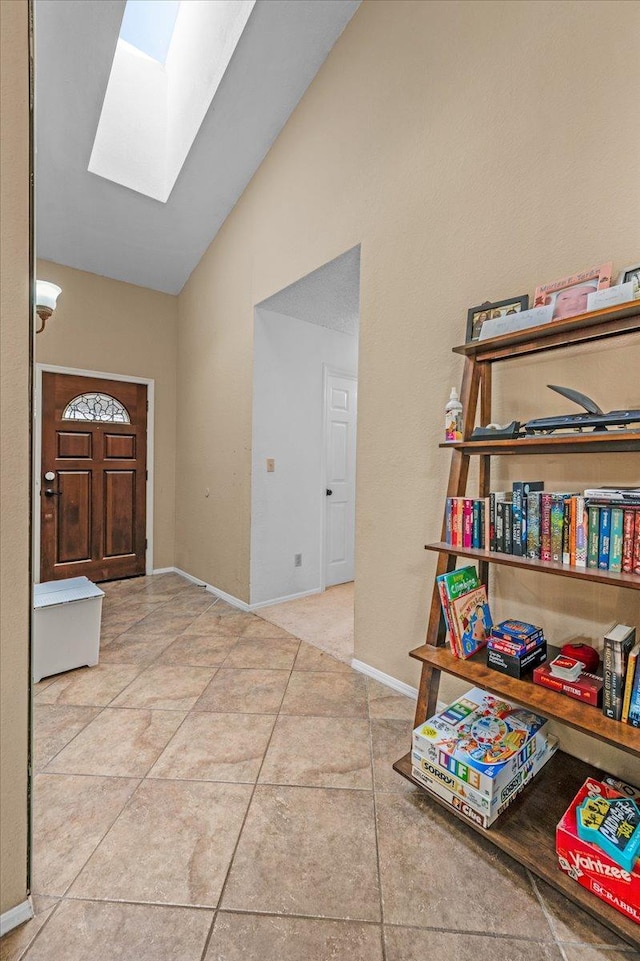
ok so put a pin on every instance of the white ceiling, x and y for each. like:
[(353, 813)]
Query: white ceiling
[(328, 296), (87, 222)]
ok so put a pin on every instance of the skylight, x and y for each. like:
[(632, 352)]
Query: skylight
[(170, 59), (148, 26)]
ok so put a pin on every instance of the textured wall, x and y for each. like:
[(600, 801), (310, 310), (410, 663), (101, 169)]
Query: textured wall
[(110, 326), (14, 430), (474, 150)]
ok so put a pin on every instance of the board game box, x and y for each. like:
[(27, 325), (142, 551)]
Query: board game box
[(482, 740), (475, 807), (591, 866)]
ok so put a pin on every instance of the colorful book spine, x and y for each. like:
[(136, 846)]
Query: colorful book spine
[(448, 521), (545, 527), (632, 669), (634, 706), (516, 518), (593, 536), (628, 523), (486, 525), (457, 521), (495, 497), (476, 526), (567, 532), (508, 527), (581, 533), (533, 524), (556, 521), (467, 522), (500, 526), (615, 550), (604, 544), (636, 545)]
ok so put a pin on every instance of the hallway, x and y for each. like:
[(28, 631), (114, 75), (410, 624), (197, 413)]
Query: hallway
[(218, 790)]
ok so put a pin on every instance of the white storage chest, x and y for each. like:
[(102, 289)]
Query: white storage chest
[(66, 625)]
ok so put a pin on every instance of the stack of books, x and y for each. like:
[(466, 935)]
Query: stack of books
[(479, 753), (598, 529), (516, 647), (465, 610)]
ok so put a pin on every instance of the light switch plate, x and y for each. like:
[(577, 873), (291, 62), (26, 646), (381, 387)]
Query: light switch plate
[(271, 465)]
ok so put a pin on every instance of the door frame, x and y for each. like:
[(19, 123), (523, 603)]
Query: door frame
[(327, 372), (37, 452)]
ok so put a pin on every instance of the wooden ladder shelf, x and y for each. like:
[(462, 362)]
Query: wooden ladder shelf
[(526, 830)]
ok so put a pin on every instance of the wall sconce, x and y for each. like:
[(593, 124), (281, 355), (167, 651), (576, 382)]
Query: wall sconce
[(46, 297)]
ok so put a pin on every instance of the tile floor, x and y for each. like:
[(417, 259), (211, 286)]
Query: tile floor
[(217, 790)]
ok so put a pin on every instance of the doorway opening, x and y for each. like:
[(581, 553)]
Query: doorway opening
[(304, 455)]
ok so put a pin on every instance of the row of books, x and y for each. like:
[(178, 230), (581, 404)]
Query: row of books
[(595, 529), (465, 610)]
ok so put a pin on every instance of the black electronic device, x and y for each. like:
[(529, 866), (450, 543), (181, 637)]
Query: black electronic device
[(594, 419), (495, 432)]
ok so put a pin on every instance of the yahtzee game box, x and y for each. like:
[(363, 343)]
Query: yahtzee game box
[(483, 741), (590, 865)]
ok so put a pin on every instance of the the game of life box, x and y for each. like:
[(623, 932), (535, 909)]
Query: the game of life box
[(482, 749), (589, 865)]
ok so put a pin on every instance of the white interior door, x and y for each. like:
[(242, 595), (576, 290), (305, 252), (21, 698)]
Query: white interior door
[(340, 458)]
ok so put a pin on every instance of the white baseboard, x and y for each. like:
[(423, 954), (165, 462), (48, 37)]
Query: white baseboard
[(229, 598), (386, 679), (15, 916), (283, 599)]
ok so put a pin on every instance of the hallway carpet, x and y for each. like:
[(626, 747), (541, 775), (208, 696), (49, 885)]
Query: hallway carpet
[(324, 620), (218, 790)]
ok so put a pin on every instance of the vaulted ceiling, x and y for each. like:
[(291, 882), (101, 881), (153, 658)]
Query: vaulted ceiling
[(91, 223)]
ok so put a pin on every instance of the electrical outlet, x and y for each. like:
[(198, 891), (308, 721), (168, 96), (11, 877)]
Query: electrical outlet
[(271, 465), (297, 560)]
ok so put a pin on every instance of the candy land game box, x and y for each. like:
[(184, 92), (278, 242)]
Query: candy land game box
[(483, 741), (590, 865)]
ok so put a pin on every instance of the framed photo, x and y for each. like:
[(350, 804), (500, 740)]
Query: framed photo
[(476, 316), (631, 273), (568, 296)]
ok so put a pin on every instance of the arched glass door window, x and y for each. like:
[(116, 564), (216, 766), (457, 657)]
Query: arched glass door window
[(95, 406)]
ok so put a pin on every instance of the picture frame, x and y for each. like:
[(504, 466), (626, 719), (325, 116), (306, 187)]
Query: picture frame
[(631, 273), (476, 316), (568, 296)]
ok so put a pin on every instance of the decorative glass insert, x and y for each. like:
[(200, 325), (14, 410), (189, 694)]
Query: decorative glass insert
[(96, 406)]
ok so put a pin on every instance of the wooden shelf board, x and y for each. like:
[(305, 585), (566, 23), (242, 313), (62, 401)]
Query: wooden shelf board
[(595, 325), (602, 442), (583, 717), (614, 578), (526, 831)]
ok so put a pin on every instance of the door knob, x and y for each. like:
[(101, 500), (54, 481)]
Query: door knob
[(329, 492), (49, 493)]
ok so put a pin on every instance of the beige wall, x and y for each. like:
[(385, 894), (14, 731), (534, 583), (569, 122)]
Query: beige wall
[(15, 330), (117, 328), (474, 150)]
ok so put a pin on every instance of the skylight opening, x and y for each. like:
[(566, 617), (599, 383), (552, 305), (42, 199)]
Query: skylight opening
[(148, 26), (169, 61)]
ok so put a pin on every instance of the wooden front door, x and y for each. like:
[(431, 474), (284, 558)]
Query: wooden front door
[(93, 478)]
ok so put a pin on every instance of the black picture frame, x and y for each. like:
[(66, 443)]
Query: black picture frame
[(475, 322)]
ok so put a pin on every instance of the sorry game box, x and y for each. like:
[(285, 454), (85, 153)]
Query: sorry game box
[(483, 741)]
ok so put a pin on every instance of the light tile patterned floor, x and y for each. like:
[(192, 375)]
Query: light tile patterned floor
[(217, 790)]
